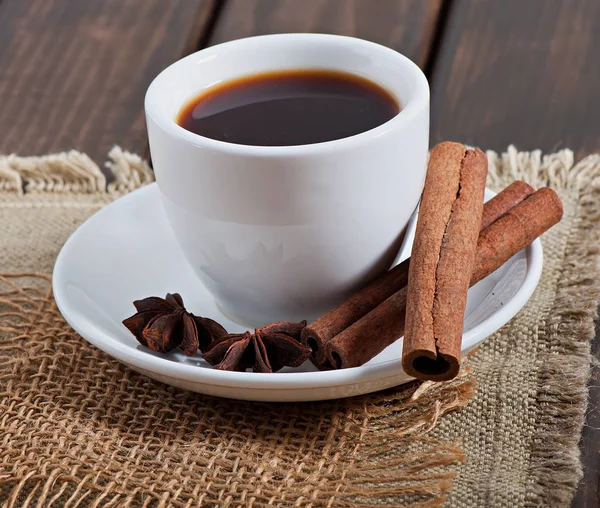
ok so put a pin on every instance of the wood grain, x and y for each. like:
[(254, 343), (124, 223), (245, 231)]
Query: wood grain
[(73, 73), (407, 26), (523, 72)]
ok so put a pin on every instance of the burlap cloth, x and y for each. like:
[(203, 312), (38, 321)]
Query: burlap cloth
[(77, 428)]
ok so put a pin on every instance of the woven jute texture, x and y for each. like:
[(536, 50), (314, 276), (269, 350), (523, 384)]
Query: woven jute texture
[(77, 428)]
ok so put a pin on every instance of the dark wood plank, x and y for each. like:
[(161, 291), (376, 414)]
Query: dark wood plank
[(523, 72), (405, 25), (73, 73)]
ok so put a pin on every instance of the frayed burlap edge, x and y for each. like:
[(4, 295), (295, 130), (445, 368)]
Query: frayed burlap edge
[(73, 172), (563, 378)]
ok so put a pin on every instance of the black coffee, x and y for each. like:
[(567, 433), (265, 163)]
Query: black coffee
[(296, 107)]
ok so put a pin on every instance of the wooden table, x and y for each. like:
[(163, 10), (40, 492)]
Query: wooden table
[(73, 75)]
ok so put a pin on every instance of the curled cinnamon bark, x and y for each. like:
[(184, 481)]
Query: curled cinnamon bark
[(442, 261), (370, 335), (516, 229), (358, 305), (321, 331), (504, 238), (504, 201)]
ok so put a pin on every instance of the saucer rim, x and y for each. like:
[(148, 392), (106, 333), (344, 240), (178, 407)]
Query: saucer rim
[(267, 381)]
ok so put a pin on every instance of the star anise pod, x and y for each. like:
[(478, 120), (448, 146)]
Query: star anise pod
[(164, 324), (268, 349)]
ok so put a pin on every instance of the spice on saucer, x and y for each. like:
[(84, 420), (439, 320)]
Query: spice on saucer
[(372, 319), (504, 201), (442, 261), (322, 331), (369, 321), (371, 334), (164, 324), (268, 349)]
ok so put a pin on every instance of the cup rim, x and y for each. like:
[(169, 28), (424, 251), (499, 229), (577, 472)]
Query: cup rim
[(409, 110)]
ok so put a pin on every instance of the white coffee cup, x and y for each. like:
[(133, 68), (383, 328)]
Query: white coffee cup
[(288, 232)]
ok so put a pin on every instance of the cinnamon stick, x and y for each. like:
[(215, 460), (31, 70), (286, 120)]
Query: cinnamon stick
[(322, 330), (510, 197), (504, 238), (361, 303), (516, 229), (442, 260)]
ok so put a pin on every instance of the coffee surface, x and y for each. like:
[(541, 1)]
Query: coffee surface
[(283, 108)]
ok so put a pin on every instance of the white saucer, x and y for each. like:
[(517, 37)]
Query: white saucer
[(126, 251)]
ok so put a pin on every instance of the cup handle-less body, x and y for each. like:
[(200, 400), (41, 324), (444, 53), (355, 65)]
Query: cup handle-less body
[(288, 232)]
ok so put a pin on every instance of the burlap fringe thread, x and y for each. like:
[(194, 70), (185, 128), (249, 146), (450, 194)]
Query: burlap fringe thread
[(376, 449), (73, 172)]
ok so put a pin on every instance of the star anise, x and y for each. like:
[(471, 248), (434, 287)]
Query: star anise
[(164, 324), (268, 349)]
